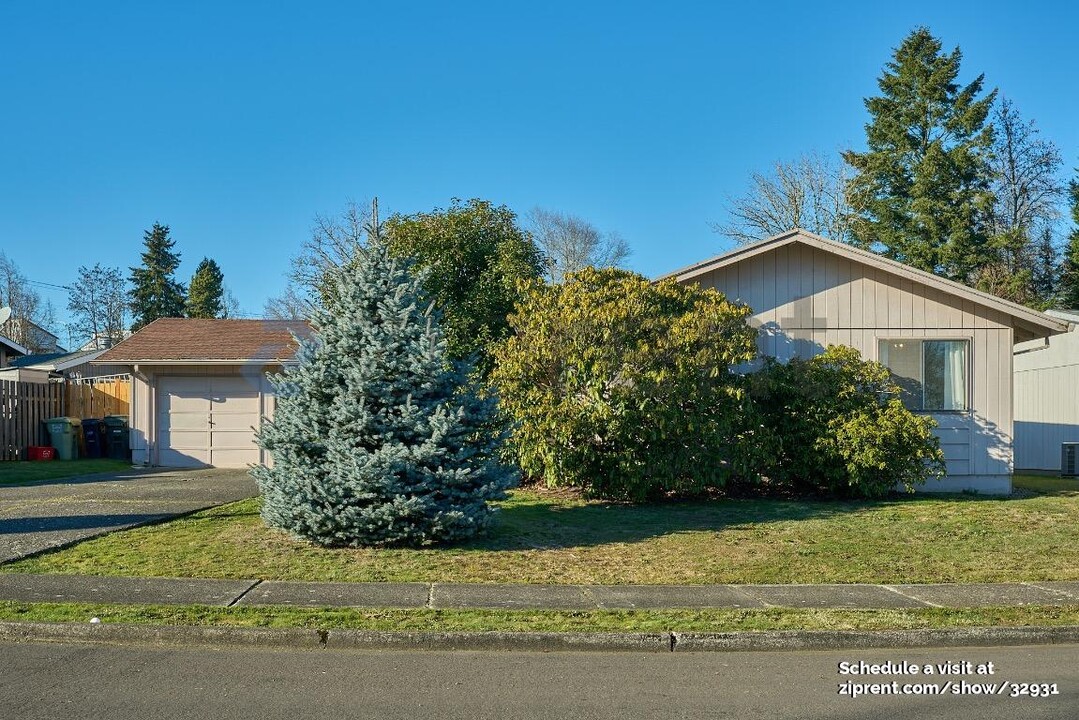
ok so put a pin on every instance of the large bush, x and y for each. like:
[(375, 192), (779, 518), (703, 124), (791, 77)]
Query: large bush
[(376, 440), (474, 255), (622, 386), (834, 425)]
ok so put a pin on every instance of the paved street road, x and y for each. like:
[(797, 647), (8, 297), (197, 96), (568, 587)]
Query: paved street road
[(44, 515), (96, 681)]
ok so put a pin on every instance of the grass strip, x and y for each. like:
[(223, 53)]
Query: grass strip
[(544, 621)]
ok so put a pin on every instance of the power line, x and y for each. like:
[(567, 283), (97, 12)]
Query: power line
[(50, 285)]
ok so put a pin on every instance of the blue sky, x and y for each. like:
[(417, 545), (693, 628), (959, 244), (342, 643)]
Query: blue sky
[(237, 123)]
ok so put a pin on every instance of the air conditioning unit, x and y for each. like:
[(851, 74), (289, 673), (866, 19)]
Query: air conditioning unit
[(1069, 459)]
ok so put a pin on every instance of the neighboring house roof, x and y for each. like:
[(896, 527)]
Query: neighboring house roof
[(13, 346), (1070, 316), (56, 362), (103, 341), (1031, 321), (190, 341)]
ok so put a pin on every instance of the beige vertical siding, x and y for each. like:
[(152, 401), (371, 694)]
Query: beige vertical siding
[(808, 299), (1046, 400)]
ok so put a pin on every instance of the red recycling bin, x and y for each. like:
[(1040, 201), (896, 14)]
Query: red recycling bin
[(40, 452)]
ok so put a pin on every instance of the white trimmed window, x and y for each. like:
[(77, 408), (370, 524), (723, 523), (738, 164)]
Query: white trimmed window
[(934, 374)]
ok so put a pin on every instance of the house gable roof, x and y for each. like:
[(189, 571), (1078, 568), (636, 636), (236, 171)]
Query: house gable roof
[(194, 341), (1031, 322)]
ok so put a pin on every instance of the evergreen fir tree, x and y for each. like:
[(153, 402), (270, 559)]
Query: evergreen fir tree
[(1046, 268), (921, 192), (1068, 296), (155, 293), (376, 440), (205, 294)]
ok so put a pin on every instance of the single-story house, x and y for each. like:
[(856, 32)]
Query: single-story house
[(1047, 400), (949, 346), (200, 388)]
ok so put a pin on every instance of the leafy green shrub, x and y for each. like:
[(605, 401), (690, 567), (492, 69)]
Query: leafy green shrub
[(622, 386), (473, 254), (834, 424)]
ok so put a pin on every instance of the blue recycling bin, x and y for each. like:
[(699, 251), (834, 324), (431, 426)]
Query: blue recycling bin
[(93, 435)]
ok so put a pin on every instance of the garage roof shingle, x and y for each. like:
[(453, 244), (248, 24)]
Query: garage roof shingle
[(192, 340)]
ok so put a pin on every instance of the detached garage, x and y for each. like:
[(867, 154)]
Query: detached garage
[(199, 388)]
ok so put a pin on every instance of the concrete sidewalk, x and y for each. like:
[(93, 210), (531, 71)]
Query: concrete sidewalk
[(252, 592)]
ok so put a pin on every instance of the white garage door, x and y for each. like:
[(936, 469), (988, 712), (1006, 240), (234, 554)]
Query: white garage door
[(207, 421)]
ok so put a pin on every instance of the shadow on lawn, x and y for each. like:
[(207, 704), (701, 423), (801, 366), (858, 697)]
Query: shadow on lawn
[(544, 524), (539, 525)]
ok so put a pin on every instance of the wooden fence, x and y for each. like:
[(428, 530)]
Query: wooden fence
[(98, 397), (23, 405)]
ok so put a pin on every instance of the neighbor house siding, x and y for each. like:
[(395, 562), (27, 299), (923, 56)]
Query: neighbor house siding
[(1046, 400), (805, 299)]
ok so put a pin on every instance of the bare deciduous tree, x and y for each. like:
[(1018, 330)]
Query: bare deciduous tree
[(331, 245), (230, 306), (1026, 180), (1026, 190), (292, 304), (571, 243), (808, 193), (27, 309), (98, 305)]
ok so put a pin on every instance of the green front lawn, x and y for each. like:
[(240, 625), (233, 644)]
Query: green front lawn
[(18, 472), (546, 537)]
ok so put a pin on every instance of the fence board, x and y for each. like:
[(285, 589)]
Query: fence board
[(22, 408), (98, 397)]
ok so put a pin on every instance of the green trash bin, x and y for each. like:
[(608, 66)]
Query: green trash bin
[(64, 433), (117, 443)]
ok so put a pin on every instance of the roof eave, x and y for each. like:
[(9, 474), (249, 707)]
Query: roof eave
[(189, 361), (11, 344)]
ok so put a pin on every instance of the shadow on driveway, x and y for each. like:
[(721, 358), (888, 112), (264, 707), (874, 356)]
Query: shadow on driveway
[(50, 514), (18, 526)]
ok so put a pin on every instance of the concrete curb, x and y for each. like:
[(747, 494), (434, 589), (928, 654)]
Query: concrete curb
[(168, 635), (300, 638), (877, 639)]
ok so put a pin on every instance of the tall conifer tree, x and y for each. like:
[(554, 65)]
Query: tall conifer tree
[(376, 440), (921, 191), (1068, 296), (205, 294), (155, 292)]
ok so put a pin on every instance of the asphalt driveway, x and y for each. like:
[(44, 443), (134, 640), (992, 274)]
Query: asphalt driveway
[(53, 513)]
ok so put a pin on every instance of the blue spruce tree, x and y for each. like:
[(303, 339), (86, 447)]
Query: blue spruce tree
[(376, 438)]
